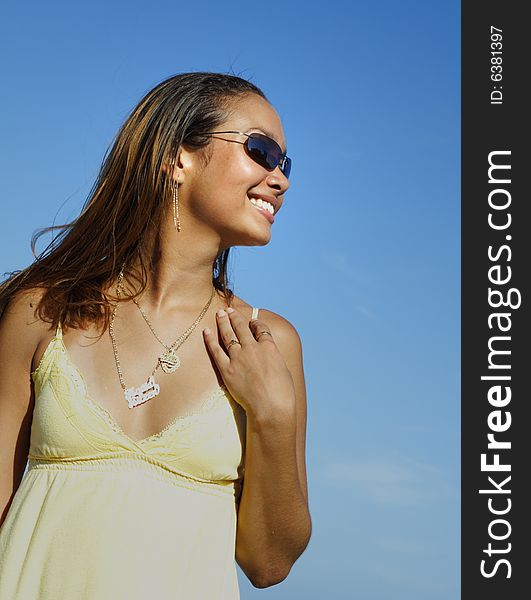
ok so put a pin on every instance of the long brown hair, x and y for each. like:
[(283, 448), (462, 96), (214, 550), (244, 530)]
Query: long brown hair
[(125, 207)]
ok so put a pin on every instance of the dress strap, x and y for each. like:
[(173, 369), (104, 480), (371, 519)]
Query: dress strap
[(255, 313), (59, 330)]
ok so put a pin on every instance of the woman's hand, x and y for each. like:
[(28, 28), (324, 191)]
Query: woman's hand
[(253, 370)]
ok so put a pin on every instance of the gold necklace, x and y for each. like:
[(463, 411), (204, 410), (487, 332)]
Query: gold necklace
[(169, 361), (144, 392)]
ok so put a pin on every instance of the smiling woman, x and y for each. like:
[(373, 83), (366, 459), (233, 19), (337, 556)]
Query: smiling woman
[(156, 454)]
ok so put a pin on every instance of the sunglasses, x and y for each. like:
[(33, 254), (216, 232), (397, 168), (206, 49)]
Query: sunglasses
[(263, 150)]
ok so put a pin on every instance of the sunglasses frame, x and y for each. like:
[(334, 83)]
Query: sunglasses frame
[(283, 157)]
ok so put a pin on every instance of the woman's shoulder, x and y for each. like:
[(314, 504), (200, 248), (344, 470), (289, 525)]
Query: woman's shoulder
[(21, 329), (22, 307), (280, 327)]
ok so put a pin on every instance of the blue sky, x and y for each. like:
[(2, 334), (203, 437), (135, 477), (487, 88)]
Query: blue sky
[(364, 256)]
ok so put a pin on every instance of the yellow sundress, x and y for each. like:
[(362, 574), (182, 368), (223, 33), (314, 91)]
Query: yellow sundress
[(100, 516)]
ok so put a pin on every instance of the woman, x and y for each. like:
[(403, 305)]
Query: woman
[(165, 438)]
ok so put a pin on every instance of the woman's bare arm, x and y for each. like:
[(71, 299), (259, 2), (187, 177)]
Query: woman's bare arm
[(20, 334), (274, 524)]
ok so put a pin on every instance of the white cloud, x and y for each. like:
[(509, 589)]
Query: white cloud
[(340, 262), (397, 481)]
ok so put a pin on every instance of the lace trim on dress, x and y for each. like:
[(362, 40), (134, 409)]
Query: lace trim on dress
[(177, 424)]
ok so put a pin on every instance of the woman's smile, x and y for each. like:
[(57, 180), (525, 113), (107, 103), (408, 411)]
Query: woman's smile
[(265, 208)]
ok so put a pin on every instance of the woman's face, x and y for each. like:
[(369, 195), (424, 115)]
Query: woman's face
[(217, 196)]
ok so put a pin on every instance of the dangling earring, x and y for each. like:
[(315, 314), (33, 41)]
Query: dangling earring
[(176, 221)]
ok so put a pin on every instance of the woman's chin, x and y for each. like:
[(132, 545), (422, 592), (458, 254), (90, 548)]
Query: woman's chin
[(257, 236)]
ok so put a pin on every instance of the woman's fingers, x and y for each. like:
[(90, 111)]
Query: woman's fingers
[(218, 353), (226, 331), (261, 332), (234, 326), (246, 369)]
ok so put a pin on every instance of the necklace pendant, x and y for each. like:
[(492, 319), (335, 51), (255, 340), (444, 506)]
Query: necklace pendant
[(142, 393), (169, 362)]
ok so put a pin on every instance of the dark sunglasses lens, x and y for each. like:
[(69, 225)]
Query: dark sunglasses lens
[(267, 153), (287, 167), (260, 148)]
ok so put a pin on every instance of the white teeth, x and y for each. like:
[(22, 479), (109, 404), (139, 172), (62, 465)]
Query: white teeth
[(263, 204)]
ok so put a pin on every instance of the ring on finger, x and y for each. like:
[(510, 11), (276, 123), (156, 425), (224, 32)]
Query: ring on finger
[(262, 333), (232, 342)]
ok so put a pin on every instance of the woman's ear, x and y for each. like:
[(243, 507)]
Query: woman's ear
[(174, 167), (184, 162)]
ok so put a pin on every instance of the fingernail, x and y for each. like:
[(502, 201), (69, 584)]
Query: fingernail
[(230, 309), (207, 331), (221, 313)]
